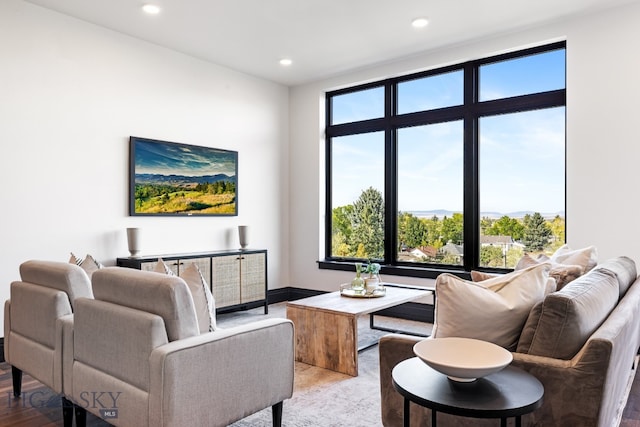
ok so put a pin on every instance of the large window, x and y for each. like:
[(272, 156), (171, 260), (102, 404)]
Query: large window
[(453, 169)]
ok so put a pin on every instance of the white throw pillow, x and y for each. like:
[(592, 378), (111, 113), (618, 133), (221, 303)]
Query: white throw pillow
[(203, 301), (162, 267), (88, 264), (587, 257), (493, 310), (202, 298), (562, 273)]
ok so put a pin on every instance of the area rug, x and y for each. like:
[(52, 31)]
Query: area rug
[(323, 398)]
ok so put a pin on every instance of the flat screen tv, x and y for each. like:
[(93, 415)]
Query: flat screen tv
[(173, 179)]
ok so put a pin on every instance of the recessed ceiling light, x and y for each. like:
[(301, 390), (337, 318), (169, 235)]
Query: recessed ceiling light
[(420, 22), (151, 9), (285, 62)]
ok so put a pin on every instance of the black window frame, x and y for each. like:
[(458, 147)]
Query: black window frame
[(470, 112)]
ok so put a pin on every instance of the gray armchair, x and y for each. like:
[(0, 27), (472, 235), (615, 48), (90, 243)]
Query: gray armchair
[(137, 348), (33, 338)]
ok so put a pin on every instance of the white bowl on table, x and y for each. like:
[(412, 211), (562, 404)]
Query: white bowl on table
[(462, 359)]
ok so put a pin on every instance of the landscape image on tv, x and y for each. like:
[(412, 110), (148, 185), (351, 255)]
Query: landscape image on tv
[(169, 178)]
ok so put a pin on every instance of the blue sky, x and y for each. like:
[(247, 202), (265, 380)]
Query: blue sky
[(157, 157), (522, 165)]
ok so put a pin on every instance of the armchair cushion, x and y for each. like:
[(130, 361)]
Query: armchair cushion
[(167, 296), (30, 304), (65, 277), (117, 340)]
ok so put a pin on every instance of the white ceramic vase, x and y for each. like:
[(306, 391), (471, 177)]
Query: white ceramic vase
[(243, 235), (133, 240)]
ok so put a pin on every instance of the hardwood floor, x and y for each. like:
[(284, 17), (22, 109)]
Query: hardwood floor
[(40, 407)]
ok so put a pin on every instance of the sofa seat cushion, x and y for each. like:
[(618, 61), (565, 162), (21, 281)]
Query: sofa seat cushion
[(494, 310), (560, 325)]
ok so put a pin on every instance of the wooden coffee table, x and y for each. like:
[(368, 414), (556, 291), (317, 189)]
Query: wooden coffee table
[(327, 327)]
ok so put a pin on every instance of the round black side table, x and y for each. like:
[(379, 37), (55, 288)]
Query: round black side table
[(510, 392)]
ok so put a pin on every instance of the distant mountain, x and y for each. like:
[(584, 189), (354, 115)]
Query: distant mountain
[(152, 178), (440, 213)]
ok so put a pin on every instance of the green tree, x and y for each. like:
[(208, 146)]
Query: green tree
[(557, 229), (491, 256), (485, 225), (506, 226), (412, 231), (434, 232), (536, 232), (452, 228), (341, 231), (367, 224)]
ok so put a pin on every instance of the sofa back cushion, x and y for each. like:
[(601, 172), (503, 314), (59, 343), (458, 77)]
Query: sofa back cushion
[(160, 294), (560, 325), (624, 269), (62, 276)]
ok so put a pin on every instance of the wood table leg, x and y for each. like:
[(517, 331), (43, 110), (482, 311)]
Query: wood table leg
[(325, 339)]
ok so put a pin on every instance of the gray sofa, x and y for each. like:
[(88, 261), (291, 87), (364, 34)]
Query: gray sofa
[(581, 342)]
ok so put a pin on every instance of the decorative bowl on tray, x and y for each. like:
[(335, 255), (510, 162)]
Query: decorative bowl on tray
[(462, 359)]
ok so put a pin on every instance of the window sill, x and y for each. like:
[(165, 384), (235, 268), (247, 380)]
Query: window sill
[(396, 270)]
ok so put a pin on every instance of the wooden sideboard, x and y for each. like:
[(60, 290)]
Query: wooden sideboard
[(238, 278)]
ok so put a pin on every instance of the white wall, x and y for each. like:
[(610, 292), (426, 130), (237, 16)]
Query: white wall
[(603, 146), (72, 93)]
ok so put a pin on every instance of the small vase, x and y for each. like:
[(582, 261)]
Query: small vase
[(371, 283), (243, 235), (357, 284), (133, 241)]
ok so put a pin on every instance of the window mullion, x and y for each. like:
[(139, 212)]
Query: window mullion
[(391, 175), (471, 188)]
